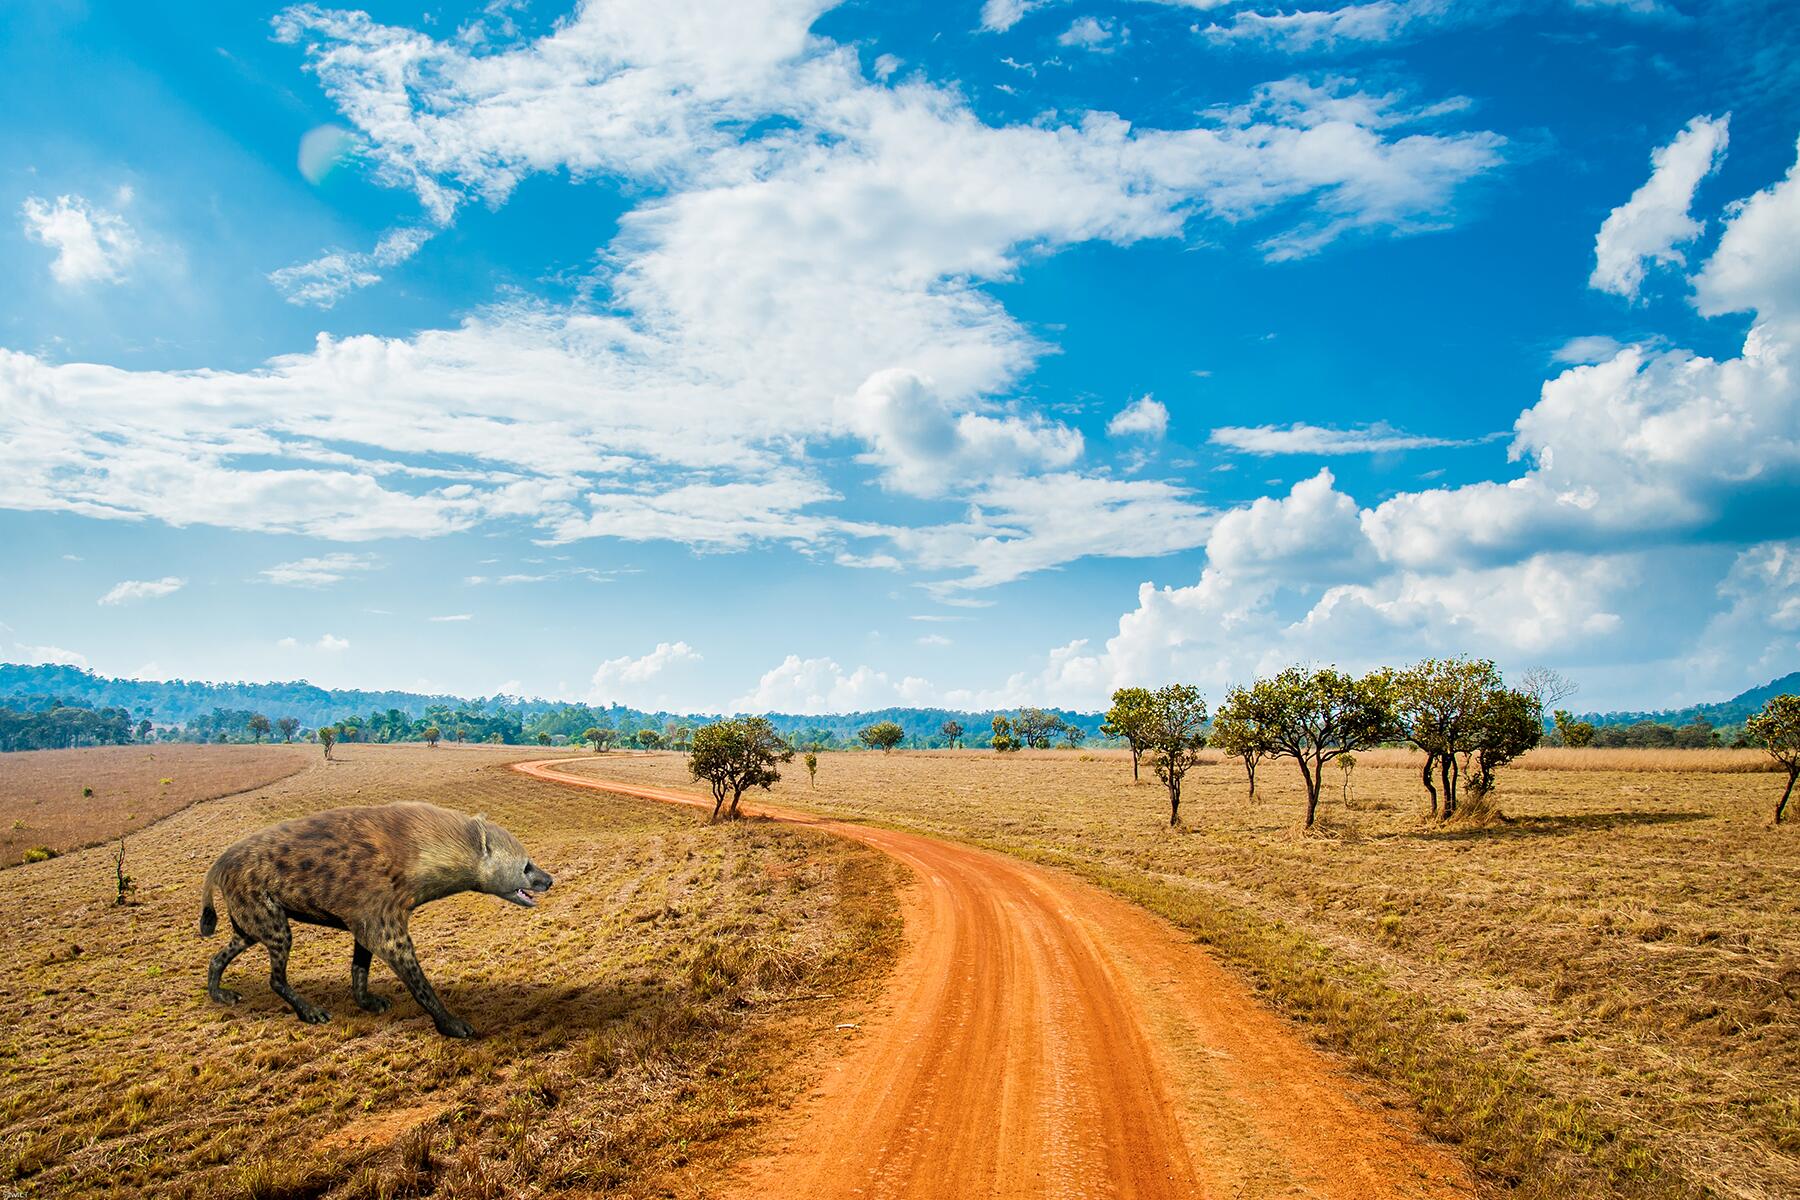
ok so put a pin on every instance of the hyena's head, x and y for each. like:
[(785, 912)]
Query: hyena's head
[(505, 870)]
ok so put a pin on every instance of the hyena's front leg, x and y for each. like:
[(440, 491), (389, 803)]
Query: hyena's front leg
[(224, 995), (396, 950), (359, 981)]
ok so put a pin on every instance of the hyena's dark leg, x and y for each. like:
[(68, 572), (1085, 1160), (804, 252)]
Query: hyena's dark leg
[(236, 946), (396, 950), (279, 940), (359, 981)]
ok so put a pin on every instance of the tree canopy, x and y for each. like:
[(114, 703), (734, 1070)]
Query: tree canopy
[(1129, 720), (1174, 736), (1777, 729), (733, 756)]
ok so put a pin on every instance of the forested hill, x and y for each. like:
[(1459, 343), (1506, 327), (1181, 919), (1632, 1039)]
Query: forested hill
[(1725, 712), (213, 708)]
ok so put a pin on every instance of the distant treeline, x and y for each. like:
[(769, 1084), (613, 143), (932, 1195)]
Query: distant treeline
[(183, 710), (1726, 714), (45, 723)]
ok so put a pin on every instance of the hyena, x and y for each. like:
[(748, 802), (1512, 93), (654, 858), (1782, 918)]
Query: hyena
[(363, 870)]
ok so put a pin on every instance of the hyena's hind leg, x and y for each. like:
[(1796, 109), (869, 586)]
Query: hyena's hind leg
[(359, 981), (396, 950), (236, 946), (279, 939)]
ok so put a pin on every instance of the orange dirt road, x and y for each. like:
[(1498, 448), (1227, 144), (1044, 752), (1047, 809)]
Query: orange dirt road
[(1040, 1038)]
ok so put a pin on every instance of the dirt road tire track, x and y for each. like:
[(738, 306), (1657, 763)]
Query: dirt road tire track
[(1040, 1038)]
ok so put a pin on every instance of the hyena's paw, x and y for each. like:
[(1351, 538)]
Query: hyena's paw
[(372, 1004), (312, 1014), (224, 996), (456, 1027)]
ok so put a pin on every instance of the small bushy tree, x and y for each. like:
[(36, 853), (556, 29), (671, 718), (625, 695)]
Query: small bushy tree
[(1777, 728), (258, 726), (1574, 734), (1004, 741), (327, 738), (1129, 719), (882, 736), (1460, 712), (1174, 737), (431, 735), (649, 739), (543, 739), (733, 756), (952, 732), (1236, 731), (597, 737), (288, 727), (1073, 735), (1036, 728), (1313, 717), (812, 769)]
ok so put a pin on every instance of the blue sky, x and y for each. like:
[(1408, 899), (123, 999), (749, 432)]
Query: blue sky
[(781, 354)]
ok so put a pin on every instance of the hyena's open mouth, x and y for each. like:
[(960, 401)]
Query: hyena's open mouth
[(524, 897)]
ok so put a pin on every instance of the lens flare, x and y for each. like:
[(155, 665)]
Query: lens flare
[(321, 150)]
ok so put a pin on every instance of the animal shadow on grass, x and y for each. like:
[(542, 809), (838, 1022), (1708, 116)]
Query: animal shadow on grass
[(1554, 826), (496, 1008)]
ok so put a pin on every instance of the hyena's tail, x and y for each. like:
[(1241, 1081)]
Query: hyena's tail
[(209, 916)]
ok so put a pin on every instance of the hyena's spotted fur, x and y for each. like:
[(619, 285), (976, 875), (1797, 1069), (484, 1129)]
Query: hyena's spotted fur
[(363, 870)]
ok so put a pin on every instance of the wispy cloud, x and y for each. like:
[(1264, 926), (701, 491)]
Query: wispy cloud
[(92, 244), (454, 617), (129, 591), (322, 571), (1301, 438)]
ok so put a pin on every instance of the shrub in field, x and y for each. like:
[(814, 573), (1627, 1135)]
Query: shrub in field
[(1777, 727), (952, 732), (1037, 728), (38, 854), (812, 769), (327, 737), (1174, 737), (882, 736), (736, 755), (1073, 736), (287, 727), (597, 737), (431, 735), (1576, 735), (649, 739), (1004, 741), (1129, 718)]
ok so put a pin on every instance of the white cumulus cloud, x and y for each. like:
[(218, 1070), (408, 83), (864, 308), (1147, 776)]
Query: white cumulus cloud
[(1649, 227), (92, 244), (1144, 417)]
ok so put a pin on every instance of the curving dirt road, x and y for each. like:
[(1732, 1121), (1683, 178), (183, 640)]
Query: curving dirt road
[(1040, 1038)]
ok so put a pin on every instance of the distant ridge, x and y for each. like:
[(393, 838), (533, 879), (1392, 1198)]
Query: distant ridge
[(1725, 712)]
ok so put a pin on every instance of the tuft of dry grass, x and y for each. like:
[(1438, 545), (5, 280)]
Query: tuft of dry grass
[(648, 1010), (1593, 992), (62, 800)]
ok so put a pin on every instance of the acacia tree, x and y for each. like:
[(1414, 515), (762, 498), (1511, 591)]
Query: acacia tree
[(1777, 727), (1073, 735), (288, 727), (1460, 712), (599, 737), (431, 735), (1174, 736), (1313, 717), (649, 739), (1237, 732), (258, 726), (952, 732), (327, 736), (1004, 742), (732, 756), (882, 736), (1036, 728), (1129, 718)]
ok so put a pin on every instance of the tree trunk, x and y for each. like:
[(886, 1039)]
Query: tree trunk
[(1135, 752), (1312, 790), (1174, 804), (1793, 773), (1430, 763), (737, 793), (718, 801), (1447, 773), (1250, 770)]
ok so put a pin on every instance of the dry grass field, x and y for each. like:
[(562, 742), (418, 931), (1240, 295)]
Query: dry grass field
[(1596, 996), (652, 1005), (41, 791)]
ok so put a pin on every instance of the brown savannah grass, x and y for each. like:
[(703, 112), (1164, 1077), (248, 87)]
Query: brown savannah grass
[(42, 805), (653, 1006), (1593, 992)]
